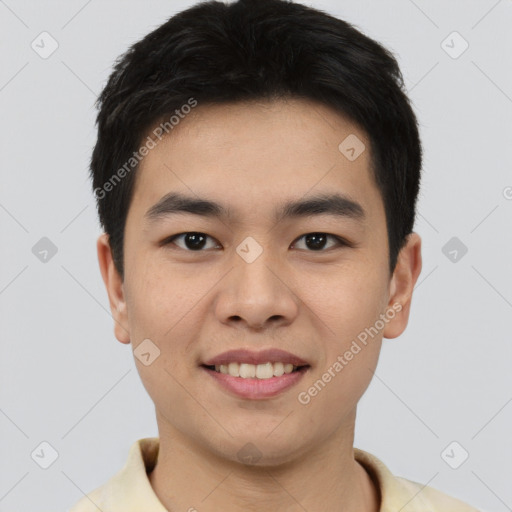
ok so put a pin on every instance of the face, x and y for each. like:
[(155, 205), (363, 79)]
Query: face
[(245, 275)]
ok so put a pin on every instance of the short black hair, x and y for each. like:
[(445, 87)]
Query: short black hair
[(250, 50)]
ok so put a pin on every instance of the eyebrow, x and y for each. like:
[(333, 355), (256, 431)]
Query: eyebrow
[(336, 205)]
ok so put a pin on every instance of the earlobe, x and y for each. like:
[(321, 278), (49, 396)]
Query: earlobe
[(402, 284), (115, 289)]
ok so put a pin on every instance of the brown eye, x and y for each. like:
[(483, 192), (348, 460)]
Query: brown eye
[(317, 241), (192, 241)]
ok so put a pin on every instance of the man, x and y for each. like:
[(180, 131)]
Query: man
[(256, 171)]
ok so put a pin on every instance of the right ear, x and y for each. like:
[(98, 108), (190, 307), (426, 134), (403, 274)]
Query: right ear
[(115, 289)]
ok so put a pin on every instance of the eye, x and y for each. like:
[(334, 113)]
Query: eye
[(317, 241), (193, 240)]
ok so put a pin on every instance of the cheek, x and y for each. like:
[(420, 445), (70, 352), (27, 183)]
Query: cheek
[(157, 300), (165, 309), (347, 309), (167, 386), (331, 396), (161, 311), (346, 297)]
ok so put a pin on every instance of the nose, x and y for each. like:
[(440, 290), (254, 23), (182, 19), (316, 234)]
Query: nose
[(257, 295)]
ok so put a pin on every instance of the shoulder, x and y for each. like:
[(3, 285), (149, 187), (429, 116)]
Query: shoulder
[(90, 503), (129, 489), (432, 499), (398, 493)]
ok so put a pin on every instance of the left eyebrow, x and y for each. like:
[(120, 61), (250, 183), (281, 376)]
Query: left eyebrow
[(336, 205)]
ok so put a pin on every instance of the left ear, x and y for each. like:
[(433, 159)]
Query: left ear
[(405, 275)]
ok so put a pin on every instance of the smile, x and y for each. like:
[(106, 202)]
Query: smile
[(249, 385), (259, 371)]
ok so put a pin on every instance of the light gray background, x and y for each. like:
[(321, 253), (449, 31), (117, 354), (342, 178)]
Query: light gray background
[(66, 380)]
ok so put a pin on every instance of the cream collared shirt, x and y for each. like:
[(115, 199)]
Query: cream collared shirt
[(130, 490)]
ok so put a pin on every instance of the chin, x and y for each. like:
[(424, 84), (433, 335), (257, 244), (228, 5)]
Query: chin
[(260, 449)]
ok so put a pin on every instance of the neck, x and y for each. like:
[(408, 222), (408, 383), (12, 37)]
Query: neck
[(188, 477)]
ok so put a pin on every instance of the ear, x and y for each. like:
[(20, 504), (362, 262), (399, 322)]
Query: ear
[(402, 283), (115, 288)]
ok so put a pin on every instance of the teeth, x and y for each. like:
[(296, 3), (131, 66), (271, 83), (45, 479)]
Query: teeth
[(278, 369), (247, 370), (259, 371), (264, 371)]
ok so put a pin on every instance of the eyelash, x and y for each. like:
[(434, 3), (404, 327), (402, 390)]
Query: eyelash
[(341, 241)]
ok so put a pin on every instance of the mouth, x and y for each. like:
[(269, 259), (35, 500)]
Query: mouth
[(263, 371), (256, 382)]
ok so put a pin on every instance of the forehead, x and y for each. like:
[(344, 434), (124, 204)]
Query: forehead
[(251, 156)]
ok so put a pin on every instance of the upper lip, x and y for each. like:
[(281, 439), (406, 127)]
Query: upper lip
[(272, 355)]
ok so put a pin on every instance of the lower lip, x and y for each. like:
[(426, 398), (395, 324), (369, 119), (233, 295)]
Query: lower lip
[(257, 388)]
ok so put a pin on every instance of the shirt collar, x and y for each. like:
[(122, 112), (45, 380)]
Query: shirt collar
[(130, 489)]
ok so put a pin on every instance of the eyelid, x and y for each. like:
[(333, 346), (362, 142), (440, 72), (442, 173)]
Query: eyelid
[(170, 239), (341, 242)]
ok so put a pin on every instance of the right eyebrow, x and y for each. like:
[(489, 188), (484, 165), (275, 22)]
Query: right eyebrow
[(333, 204)]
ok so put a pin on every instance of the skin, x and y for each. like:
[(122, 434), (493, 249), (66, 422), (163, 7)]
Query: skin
[(194, 305)]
